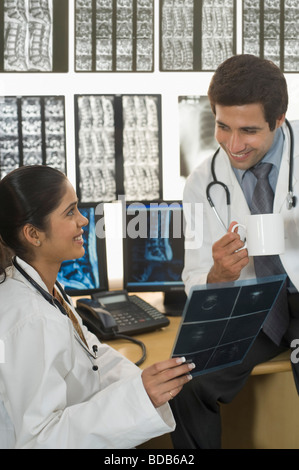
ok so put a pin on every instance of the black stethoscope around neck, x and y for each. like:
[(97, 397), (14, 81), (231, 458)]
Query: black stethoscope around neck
[(48, 297), (55, 303), (290, 199)]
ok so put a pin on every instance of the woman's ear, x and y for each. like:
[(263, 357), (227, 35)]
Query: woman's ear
[(32, 235)]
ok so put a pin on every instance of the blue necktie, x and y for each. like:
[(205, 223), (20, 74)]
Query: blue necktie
[(262, 203)]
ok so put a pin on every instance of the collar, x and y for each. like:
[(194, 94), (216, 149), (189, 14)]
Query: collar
[(274, 155), (30, 271)]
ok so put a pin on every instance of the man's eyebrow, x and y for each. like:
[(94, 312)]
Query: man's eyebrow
[(252, 128), (244, 128)]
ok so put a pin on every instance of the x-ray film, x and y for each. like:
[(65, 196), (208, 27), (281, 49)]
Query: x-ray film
[(32, 132), (118, 147), (197, 128), (270, 30), (221, 321), (114, 35), (34, 36), (154, 246), (196, 35)]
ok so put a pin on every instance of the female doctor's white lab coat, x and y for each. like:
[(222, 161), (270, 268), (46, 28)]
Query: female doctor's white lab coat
[(50, 397)]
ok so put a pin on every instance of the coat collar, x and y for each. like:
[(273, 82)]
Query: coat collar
[(30, 271)]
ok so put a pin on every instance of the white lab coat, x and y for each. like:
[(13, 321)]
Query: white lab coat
[(198, 261), (49, 395)]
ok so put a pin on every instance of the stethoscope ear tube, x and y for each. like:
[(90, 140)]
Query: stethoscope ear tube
[(213, 183), (227, 192), (290, 199)]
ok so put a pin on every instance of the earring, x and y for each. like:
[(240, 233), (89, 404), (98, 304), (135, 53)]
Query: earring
[(37, 242)]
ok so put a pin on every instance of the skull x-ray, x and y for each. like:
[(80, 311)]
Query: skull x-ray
[(32, 132), (196, 35), (119, 150), (114, 36), (272, 32)]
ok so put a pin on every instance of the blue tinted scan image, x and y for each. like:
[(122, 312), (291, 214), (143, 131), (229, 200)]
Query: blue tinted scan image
[(83, 273), (157, 258), (220, 323)]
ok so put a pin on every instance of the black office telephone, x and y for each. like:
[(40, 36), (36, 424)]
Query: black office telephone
[(127, 316), (97, 318), (116, 313)]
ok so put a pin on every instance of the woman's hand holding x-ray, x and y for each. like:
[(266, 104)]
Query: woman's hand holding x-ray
[(164, 380)]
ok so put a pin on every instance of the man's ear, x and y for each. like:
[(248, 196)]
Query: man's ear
[(32, 235), (280, 121)]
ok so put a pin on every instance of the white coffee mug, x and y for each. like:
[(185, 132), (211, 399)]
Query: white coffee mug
[(264, 234)]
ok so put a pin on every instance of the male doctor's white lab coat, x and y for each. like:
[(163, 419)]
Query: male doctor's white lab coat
[(198, 259), (50, 397)]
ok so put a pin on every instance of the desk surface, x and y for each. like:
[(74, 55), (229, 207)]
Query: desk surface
[(159, 343)]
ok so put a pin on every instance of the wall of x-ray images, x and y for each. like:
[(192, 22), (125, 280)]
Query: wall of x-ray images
[(113, 92)]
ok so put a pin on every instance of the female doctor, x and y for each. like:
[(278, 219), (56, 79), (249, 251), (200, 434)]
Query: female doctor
[(54, 391)]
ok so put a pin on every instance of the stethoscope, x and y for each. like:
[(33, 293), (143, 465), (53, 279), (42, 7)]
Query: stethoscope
[(290, 200), (49, 298)]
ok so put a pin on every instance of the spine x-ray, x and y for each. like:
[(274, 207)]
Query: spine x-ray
[(28, 35), (118, 147), (270, 30), (156, 254), (196, 35), (34, 37), (83, 273), (114, 35), (32, 132)]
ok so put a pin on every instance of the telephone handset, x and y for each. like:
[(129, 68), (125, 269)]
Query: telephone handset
[(97, 318)]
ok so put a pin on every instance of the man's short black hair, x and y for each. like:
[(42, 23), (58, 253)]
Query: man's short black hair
[(246, 79)]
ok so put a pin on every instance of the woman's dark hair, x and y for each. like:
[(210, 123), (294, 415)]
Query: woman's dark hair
[(247, 79), (28, 195)]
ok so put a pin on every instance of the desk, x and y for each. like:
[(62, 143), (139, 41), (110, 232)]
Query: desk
[(158, 343), (265, 413)]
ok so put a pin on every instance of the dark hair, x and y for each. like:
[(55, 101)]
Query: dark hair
[(246, 79), (28, 195)]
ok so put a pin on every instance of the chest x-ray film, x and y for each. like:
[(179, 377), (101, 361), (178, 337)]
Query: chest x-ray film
[(221, 321)]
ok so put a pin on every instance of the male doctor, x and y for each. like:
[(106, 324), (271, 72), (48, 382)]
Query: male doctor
[(249, 99)]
